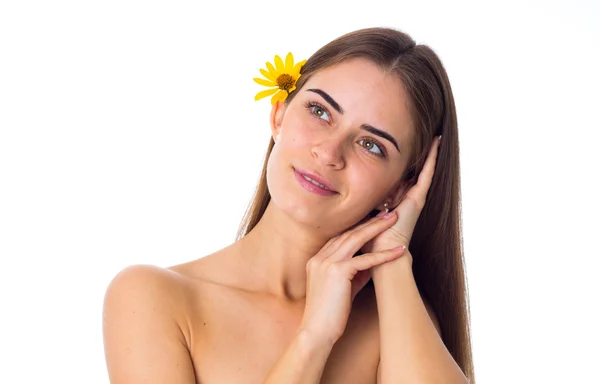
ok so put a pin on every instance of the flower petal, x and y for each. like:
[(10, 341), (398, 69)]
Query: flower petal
[(279, 64), (298, 67), (279, 96), (266, 83), (268, 75), (289, 63), (272, 70), (283, 96), (265, 93)]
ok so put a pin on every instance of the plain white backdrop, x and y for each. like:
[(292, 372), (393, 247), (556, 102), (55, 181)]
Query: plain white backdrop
[(129, 135)]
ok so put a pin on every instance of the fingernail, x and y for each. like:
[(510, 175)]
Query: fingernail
[(388, 215), (400, 247)]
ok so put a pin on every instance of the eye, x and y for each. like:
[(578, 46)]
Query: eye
[(318, 110), (372, 146)]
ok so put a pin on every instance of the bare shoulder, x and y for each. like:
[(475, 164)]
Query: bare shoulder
[(144, 338), (144, 283), (143, 274)]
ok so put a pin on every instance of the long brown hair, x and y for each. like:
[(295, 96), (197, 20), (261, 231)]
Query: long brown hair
[(436, 244)]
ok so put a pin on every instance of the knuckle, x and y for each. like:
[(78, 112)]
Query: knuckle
[(312, 263), (335, 269)]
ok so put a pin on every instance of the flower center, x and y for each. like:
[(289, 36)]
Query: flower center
[(285, 82)]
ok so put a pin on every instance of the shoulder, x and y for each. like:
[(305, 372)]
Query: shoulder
[(145, 273), (143, 288), (144, 340), (138, 284), (140, 274)]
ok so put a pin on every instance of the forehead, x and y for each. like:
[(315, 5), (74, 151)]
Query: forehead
[(367, 95)]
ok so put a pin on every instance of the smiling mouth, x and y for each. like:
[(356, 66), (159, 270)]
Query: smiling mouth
[(316, 183), (313, 183), (315, 179)]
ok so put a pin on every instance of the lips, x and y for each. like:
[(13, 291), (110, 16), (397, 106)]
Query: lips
[(316, 178)]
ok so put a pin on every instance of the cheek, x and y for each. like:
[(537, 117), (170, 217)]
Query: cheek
[(295, 138), (285, 154), (298, 130), (276, 170), (367, 187)]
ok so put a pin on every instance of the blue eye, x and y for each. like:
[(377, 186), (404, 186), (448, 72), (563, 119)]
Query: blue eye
[(318, 110), (372, 144)]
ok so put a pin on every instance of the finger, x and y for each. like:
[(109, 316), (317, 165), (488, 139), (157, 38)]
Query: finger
[(416, 196), (369, 260), (343, 236), (426, 175), (325, 248), (332, 244), (357, 238), (351, 232)]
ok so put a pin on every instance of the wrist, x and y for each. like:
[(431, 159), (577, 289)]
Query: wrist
[(394, 268), (314, 341)]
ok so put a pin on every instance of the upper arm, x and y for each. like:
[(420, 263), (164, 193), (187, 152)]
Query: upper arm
[(143, 342)]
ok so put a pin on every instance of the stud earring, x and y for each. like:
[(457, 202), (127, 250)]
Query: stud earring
[(387, 209)]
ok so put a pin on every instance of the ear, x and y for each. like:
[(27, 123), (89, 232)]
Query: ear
[(277, 112), (397, 194)]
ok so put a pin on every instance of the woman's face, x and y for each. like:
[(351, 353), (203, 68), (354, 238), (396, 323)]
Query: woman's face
[(350, 128)]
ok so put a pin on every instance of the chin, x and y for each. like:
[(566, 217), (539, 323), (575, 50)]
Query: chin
[(290, 202)]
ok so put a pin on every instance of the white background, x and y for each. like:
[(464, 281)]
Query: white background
[(129, 135)]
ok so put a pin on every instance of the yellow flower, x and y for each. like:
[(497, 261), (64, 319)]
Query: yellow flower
[(282, 77)]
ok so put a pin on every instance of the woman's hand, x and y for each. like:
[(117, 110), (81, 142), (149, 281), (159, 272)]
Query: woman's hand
[(334, 277), (409, 210)]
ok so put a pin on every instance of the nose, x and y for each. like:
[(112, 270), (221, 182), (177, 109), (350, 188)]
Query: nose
[(330, 152)]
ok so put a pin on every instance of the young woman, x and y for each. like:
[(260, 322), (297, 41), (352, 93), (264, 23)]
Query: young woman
[(318, 288)]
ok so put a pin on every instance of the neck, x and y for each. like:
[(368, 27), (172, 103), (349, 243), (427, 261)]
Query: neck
[(275, 253)]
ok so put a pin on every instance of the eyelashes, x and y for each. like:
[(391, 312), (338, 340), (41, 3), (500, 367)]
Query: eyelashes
[(313, 106), (317, 110), (381, 151)]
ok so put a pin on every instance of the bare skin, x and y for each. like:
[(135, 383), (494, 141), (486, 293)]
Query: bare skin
[(252, 295), (229, 316), (236, 334)]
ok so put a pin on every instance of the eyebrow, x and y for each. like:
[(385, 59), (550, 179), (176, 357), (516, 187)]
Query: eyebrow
[(366, 127)]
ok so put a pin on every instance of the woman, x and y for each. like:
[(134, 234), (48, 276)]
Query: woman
[(318, 288)]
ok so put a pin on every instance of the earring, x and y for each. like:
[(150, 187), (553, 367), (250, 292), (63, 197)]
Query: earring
[(386, 207)]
